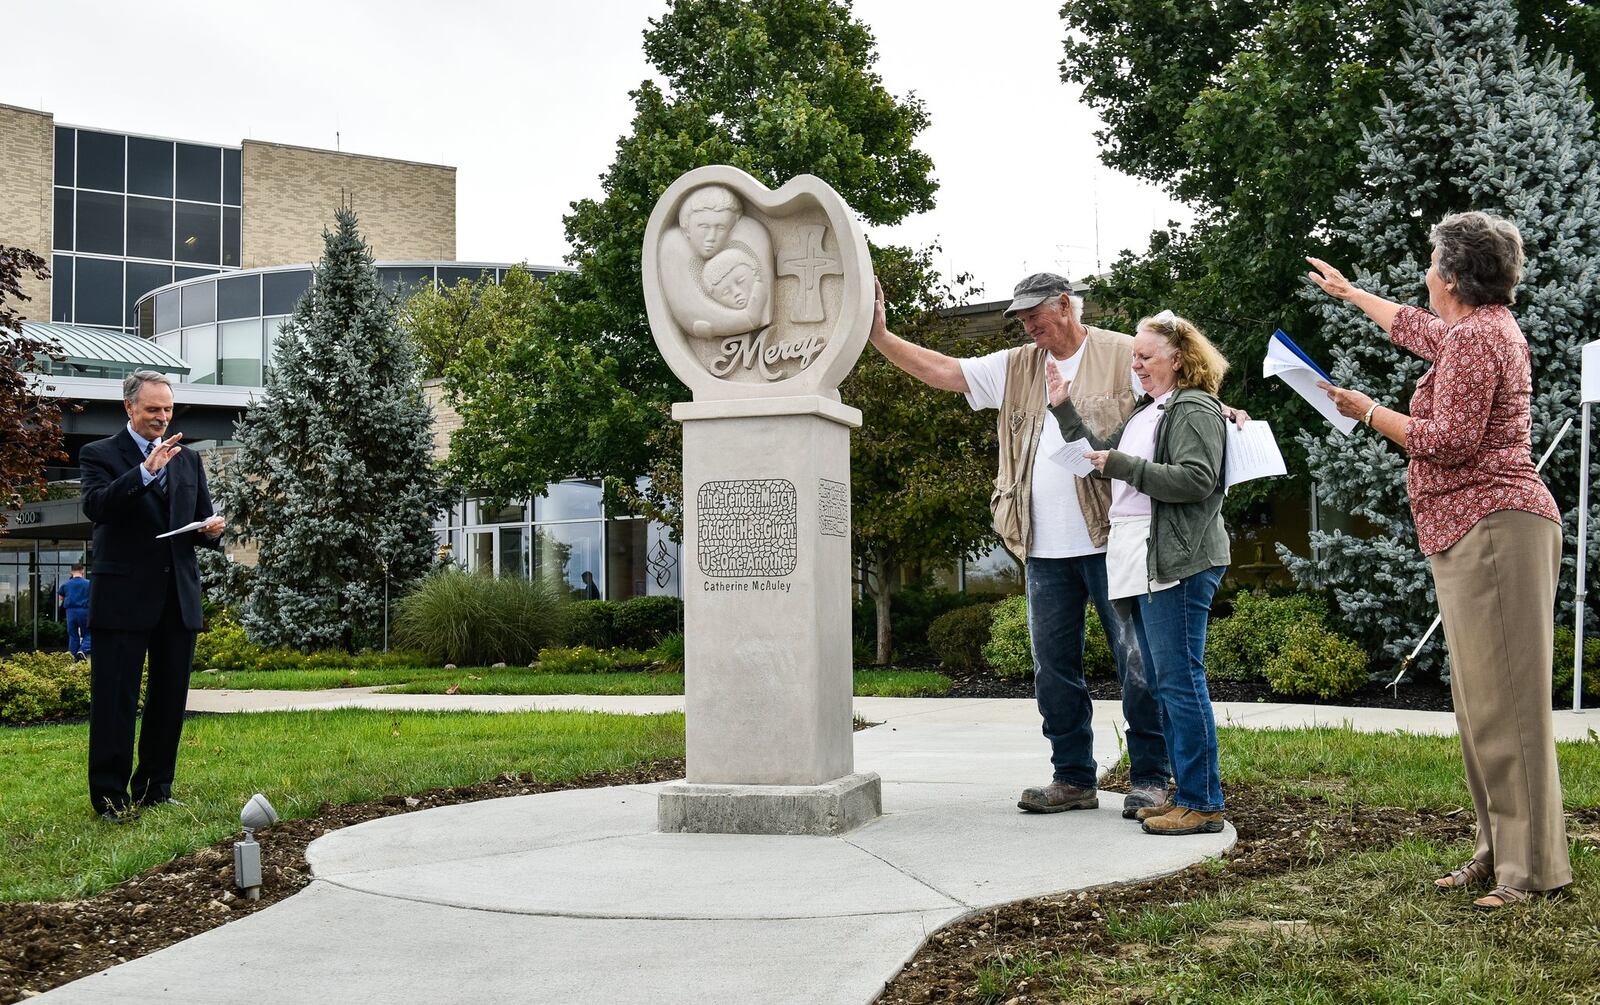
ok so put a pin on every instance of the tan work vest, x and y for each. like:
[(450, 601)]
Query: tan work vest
[(1102, 396)]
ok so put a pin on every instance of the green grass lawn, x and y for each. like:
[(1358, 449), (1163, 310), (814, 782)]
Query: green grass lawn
[(52, 847), (1360, 928), (483, 680)]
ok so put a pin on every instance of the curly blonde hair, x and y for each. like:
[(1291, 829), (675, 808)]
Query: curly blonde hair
[(1200, 364)]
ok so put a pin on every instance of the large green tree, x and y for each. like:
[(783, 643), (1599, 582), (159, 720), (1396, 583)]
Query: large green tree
[(922, 463), (1251, 112), (1474, 121), (775, 87), (334, 477)]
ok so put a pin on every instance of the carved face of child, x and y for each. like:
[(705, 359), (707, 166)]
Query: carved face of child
[(731, 279), (709, 230)]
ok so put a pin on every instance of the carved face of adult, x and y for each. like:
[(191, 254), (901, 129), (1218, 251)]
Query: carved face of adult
[(1052, 327), (150, 412), (1442, 299), (709, 230), (1155, 362)]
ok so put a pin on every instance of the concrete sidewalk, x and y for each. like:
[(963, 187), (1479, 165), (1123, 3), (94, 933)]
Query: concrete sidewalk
[(1569, 725), (574, 896)]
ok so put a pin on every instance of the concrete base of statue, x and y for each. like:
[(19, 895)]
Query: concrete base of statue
[(767, 645), (823, 810)]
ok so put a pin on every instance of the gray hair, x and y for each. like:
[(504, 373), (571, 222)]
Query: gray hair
[(1481, 254), (138, 379)]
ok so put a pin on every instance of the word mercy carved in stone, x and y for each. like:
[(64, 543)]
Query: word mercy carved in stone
[(748, 527), (753, 350), (809, 262), (833, 504)]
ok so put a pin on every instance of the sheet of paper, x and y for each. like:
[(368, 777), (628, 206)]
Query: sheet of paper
[(1286, 362), (186, 528), (1071, 457), (1252, 453)]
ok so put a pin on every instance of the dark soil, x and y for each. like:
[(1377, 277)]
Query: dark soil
[(46, 944), (1422, 696), (1277, 834)]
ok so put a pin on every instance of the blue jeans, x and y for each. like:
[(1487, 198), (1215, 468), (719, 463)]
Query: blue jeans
[(78, 642), (1058, 590), (1172, 632)]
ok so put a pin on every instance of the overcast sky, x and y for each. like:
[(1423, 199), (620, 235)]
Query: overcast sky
[(527, 100)]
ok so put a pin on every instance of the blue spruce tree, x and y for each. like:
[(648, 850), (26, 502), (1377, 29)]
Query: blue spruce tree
[(1485, 125), (334, 477)]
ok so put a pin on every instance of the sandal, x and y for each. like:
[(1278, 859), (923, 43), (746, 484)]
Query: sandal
[(1471, 874), (1505, 896)]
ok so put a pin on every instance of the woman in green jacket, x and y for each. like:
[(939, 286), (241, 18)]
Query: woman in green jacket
[(1168, 548)]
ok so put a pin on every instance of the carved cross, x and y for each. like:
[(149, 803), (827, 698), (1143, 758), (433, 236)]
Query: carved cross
[(809, 266)]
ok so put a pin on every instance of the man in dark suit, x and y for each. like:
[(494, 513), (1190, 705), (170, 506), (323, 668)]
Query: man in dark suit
[(144, 597)]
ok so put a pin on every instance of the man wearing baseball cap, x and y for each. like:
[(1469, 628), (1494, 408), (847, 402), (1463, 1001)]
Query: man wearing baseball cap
[(1057, 524)]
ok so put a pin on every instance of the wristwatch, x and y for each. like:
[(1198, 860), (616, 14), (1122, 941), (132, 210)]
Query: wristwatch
[(1368, 417)]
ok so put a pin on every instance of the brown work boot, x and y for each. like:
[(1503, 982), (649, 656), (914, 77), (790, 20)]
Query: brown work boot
[(1058, 796), (1183, 820), (1146, 812)]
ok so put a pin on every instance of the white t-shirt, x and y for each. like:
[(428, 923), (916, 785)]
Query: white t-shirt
[(1138, 440), (1059, 530)]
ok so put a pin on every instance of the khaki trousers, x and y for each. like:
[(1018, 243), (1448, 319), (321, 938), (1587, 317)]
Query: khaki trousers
[(1496, 590)]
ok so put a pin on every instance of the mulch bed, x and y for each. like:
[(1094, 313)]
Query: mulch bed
[(1421, 696), (46, 944), (1277, 834)]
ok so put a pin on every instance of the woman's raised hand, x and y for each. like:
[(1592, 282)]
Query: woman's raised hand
[(1057, 385), (1330, 279)]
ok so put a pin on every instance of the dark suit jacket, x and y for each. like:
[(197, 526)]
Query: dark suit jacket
[(131, 565)]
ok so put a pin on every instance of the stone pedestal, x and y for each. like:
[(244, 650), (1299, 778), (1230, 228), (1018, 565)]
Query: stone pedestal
[(766, 584)]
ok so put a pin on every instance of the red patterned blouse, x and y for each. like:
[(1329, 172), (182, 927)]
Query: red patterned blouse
[(1468, 434)]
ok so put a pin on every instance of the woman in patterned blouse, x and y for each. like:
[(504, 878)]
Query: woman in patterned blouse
[(1492, 534)]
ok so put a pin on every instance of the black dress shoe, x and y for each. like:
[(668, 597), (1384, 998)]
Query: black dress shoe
[(163, 801), (126, 815)]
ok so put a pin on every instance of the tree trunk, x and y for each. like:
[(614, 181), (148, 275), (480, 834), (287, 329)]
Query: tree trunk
[(888, 573)]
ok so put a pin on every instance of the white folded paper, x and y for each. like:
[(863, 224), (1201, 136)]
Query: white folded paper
[(186, 528), (1071, 457), (1286, 362), (1252, 453)]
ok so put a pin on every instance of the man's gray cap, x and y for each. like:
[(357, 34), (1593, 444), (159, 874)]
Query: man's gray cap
[(1035, 290)]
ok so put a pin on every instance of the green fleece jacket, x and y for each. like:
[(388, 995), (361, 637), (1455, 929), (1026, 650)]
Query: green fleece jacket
[(1184, 480)]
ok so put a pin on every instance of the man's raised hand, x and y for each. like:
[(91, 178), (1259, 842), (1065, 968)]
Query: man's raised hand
[(1057, 385)]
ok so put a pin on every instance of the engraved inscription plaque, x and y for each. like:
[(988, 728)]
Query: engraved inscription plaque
[(748, 527), (833, 508)]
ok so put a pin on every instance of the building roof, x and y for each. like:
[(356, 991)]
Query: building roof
[(99, 347)]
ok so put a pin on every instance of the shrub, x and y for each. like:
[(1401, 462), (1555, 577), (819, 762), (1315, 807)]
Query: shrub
[(623, 658), (458, 617), (1313, 660), (1009, 652), (1561, 668), (1239, 646), (912, 612), (641, 622), (577, 659), (18, 635), (957, 637), (588, 623), (36, 686), (225, 646), (668, 653)]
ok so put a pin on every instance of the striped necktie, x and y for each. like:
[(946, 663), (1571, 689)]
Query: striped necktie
[(161, 476)]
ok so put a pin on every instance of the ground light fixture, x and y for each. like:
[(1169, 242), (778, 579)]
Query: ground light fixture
[(257, 813)]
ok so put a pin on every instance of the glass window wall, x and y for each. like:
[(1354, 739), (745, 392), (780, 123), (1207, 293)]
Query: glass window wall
[(199, 303), (150, 228), (240, 364), (569, 501), (101, 160), (200, 352), (99, 223), (98, 285), (150, 167)]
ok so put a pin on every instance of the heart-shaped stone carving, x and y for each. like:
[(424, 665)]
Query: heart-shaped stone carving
[(753, 293)]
